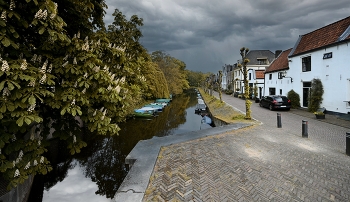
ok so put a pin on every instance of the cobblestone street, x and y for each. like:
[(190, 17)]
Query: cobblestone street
[(258, 163)]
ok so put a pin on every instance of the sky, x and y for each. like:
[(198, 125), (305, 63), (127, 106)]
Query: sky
[(207, 34)]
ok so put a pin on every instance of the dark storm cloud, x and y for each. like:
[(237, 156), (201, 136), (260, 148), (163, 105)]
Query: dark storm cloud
[(207, 34)]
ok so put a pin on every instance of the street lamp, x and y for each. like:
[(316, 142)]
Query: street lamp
[(284, 75)]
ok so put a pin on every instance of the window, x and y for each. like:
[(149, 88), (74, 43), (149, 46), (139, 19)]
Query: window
[(270, 76), (327, 55), (280, 91), (250, 76), (262, 61), (306, 63), (272, 91), (280, 75)]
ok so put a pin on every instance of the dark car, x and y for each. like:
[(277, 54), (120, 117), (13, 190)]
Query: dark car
[(275, 102)]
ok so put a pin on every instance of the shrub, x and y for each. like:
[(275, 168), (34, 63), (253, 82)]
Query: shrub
[(294, 99), (315, 98)]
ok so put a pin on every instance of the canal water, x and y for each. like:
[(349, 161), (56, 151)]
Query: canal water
[(96, 173)]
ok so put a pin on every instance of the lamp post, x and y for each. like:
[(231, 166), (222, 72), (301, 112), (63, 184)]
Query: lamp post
[(284, 75)]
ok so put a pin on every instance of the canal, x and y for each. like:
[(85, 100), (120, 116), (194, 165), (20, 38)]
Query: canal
[(96, 173)]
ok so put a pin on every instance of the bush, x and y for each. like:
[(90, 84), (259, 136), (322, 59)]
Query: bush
[(294, 99), (315, 98)]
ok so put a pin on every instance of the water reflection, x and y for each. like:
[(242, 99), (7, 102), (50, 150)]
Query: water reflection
[(96, 173)]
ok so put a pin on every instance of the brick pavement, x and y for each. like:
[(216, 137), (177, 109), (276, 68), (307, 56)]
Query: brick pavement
[(248, 165), (259, 163)]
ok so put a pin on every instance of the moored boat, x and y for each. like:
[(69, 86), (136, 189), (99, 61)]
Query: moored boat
[(145, 112)]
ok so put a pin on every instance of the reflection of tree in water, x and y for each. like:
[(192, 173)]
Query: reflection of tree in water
[(104, 157)]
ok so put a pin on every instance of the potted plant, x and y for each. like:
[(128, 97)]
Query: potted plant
[(320, 115)]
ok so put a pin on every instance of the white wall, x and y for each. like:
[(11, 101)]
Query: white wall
[(333, 72)]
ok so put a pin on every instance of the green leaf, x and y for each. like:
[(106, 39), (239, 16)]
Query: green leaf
[(6, 42), (27, 120), (10, 86), (20, 121), (63, 111), (41, 30), (2, 85), (3, 108), (32, 100), (2, 23)]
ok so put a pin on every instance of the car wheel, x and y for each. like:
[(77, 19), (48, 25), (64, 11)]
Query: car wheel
[(270, 107), (260, 104)]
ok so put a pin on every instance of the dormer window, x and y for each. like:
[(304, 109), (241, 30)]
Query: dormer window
[(262, 61)]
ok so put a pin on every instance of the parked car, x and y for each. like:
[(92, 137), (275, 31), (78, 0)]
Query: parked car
[(275, 102)]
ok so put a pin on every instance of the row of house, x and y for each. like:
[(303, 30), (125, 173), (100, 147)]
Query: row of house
[(323, 54)]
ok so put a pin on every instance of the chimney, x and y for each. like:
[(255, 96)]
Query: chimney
[(277, 53)]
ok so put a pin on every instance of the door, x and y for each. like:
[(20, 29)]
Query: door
[(306, 93)]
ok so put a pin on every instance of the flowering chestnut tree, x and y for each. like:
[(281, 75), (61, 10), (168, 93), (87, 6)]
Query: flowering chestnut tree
[(55, 77)]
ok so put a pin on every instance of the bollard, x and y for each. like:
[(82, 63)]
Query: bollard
[(279, 122), (304, 129), (348, 143)]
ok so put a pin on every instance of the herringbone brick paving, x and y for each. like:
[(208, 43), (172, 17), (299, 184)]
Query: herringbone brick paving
[(248, 165)]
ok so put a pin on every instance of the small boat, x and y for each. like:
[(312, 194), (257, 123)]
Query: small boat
[(158, 107), (163, 100), (163, 104), (145, 112)]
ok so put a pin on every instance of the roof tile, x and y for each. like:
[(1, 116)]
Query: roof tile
[(322, 37), (280, 63)]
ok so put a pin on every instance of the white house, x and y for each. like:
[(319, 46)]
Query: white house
[(259, 60), (324, 54), (275, 84)]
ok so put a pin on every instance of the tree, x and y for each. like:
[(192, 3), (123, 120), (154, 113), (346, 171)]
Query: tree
[(244, 51), (174, 71), (60, 77), (294, 98)]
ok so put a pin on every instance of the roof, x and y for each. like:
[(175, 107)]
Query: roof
[(331, 34), (253, 56), (280, 63), (259, 74)]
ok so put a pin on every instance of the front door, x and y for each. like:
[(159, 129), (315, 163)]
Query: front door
[(306, 93)]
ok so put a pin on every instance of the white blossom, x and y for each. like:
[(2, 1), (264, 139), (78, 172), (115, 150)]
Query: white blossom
[(14, 138), (5, 66), (65, 58), (6, 92), (43, 68), (32, 83), (78, 35), (74, 61), (101, 110), (96, 68), (41, 15), (109, 88), (75, 84), (117, 89), (42, 159), (16, 173), (94, 114), (4, 16), (24, 64), (34, 58), (12, 5), (73, 102), (39, 58), (35, 163), (98, 42), (20, 155), (50, 69), (43, 79), (39, 142), (64, 64), (84, 91), (74, 139), (31, 108), (27, 166), (86, 75)]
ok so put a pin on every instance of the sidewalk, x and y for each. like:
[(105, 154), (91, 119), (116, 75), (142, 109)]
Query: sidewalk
[(255, 163)]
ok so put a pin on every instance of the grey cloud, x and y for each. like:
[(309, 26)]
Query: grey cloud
[(207, 34)]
